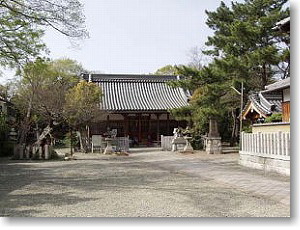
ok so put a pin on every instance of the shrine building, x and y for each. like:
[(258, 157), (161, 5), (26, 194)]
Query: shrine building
[(138, 106)]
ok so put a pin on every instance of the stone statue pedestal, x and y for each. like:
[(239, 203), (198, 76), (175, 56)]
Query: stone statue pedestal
[(188, 147), (213, 145), (213, 141), (177, 141), (108, 149)]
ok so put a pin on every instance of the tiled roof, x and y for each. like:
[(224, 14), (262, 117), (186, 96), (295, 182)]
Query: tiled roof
[(138, 92), (282, 84), (265, 103), (283, 22)]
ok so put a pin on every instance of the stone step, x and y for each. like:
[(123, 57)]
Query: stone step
[(230, 150)]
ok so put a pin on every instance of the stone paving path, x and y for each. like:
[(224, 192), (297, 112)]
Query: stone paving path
[(225, 170), (148, 183)]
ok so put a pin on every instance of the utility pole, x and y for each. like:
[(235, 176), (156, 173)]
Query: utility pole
[(242, 103)]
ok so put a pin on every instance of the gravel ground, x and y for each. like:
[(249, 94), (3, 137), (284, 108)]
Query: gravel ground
[(144, 184)]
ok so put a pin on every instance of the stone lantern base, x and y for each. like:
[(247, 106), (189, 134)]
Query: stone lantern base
[(188, 147), (108, 149), (213, 145)]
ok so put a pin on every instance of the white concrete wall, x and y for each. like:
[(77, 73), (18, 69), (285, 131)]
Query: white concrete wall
[(266, 151), (267, 164), (271, 127)]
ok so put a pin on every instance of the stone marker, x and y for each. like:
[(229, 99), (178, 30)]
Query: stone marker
[(47, 152), (27, 152), (213, 141)]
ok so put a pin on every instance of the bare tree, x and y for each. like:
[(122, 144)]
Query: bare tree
[(197, 59)]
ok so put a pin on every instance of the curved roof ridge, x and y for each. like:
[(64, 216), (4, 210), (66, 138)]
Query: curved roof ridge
[(128, 77)]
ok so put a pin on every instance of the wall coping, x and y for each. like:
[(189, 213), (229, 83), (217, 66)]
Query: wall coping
[(271, 156), (271, 124)]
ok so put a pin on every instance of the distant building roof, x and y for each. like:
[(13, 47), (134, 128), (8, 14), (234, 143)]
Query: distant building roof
[(138, 92), (279, 85), (263, 103), (284, 24)]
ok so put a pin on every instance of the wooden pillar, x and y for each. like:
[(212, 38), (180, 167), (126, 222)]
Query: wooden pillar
[(157, 127), (107, 123), (150, 124), (126, 125), (140, 128), (168, 124), (149, 136)]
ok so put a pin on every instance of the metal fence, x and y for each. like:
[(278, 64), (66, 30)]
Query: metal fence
[(121, 144), (166, 142)]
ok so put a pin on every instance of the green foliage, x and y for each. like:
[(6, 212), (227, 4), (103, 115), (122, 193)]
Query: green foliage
[(247, 126), (82, 103), (40, 79), (245, 42), (182, 113), (6, 147), (3, 126), (40, 95), (275, 117), (22, 24), (246, 48), (166, 70), (197, 141), (66, 141)]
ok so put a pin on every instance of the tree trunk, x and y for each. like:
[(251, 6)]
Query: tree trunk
[(71, 142), (84, 140), (78, 133), (25, 125), (43, 135)]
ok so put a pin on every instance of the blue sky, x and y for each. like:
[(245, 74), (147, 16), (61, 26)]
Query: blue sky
[(135, 36)]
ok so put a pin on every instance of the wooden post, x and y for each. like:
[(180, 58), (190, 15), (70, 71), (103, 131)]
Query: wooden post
[(279, 143), (150, 132), (107, 122), (40, 152), (263, 142), (242, 142), (282, 144), (255, 142), (259, 143), (139, 128), (287, 144), (126, 124), (27, 153), (157, 126), (46, 152), (21, 151), (168, 124)]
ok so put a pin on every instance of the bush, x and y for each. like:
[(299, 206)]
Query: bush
[(6, 148), (196, 141), (275, 117)]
